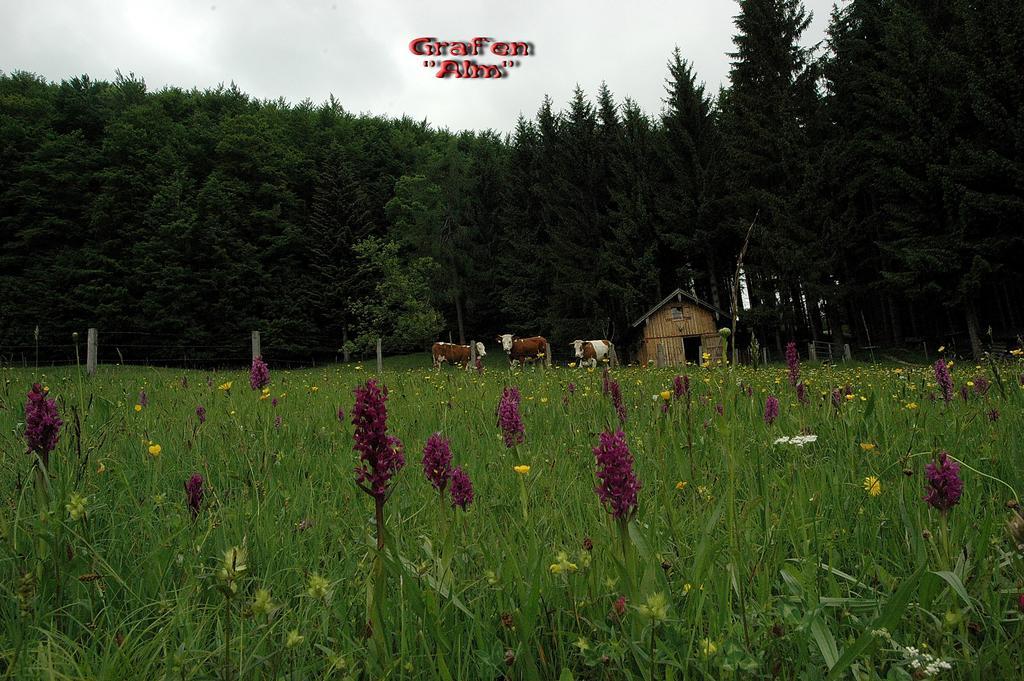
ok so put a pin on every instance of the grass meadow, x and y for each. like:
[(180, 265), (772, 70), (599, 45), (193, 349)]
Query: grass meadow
[(746, 557)]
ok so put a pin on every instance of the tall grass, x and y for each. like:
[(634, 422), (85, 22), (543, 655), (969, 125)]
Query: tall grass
[(772, 559)]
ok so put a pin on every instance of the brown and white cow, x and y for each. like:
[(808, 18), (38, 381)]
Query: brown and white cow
[(521, 349), (455, 354), (592, 351)]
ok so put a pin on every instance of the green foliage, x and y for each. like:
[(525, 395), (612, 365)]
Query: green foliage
[(397, 309), (884, 167)]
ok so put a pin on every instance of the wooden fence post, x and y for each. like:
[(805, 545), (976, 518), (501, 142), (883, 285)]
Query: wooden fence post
[(662, 359), (256, 345), (613, 358), (91, 351), (812, 352), (380, 358), (547, 354), (472, 355), (847, 355)]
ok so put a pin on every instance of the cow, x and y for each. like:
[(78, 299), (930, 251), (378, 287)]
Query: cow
[(455, 354), (521, 349), (592, 351)]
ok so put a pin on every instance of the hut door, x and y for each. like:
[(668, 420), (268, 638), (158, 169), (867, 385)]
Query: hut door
[(691, 349)]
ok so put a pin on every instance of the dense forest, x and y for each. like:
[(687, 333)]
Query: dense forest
[(885, 168)]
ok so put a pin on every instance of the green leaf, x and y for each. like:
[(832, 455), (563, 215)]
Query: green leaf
[(890, 614), (826, 642), (957, 585)]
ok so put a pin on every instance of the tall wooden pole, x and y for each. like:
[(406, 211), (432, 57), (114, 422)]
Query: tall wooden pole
[(91, 351)]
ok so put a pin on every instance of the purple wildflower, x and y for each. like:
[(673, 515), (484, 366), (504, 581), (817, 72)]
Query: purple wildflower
[(793, 362), (801, 393), (571, 388), (194, 494), (771, 409), (341, 415), (943, 379), (437, 461), (277, 422), (719, 408), (42, 423), (259, 374), (616, 393), (201, 414), (619, 486), (509, 420), (981, 386), (273, 403), (963, 393), (380, 454), (143, 398), (944, 484), (461, 489), (681, 386), (837, 398)]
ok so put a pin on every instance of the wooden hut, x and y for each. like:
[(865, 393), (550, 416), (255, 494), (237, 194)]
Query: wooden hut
[(680, 329)]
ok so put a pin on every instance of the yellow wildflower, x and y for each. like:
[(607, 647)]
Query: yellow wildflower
[(867, 446), (294, 639), (319, 588), (225, 386), (655, 608), (76, 506), (138, 407), (155, 449), (522, 470), (911, 405), (666, 395), (707, 647), (233, 566), (681, 485), (873, 486), (262, 604), (563, 565), (101, 469)]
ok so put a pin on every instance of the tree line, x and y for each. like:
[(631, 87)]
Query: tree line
[(883, 171)]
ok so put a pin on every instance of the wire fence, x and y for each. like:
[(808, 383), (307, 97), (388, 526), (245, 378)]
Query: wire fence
[(145, 348)]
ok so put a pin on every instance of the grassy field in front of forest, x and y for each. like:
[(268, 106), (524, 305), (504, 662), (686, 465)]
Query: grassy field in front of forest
[(749, 555)]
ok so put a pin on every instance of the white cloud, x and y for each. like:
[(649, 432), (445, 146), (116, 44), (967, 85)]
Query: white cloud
[(358, 49)]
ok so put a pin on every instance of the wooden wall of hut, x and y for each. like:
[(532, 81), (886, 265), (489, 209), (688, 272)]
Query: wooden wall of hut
[(671, 326)]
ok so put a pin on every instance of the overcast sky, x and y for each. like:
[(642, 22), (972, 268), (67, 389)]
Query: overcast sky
[(359, 49)]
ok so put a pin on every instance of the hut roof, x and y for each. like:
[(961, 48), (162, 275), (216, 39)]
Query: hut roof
[(678, 295)]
